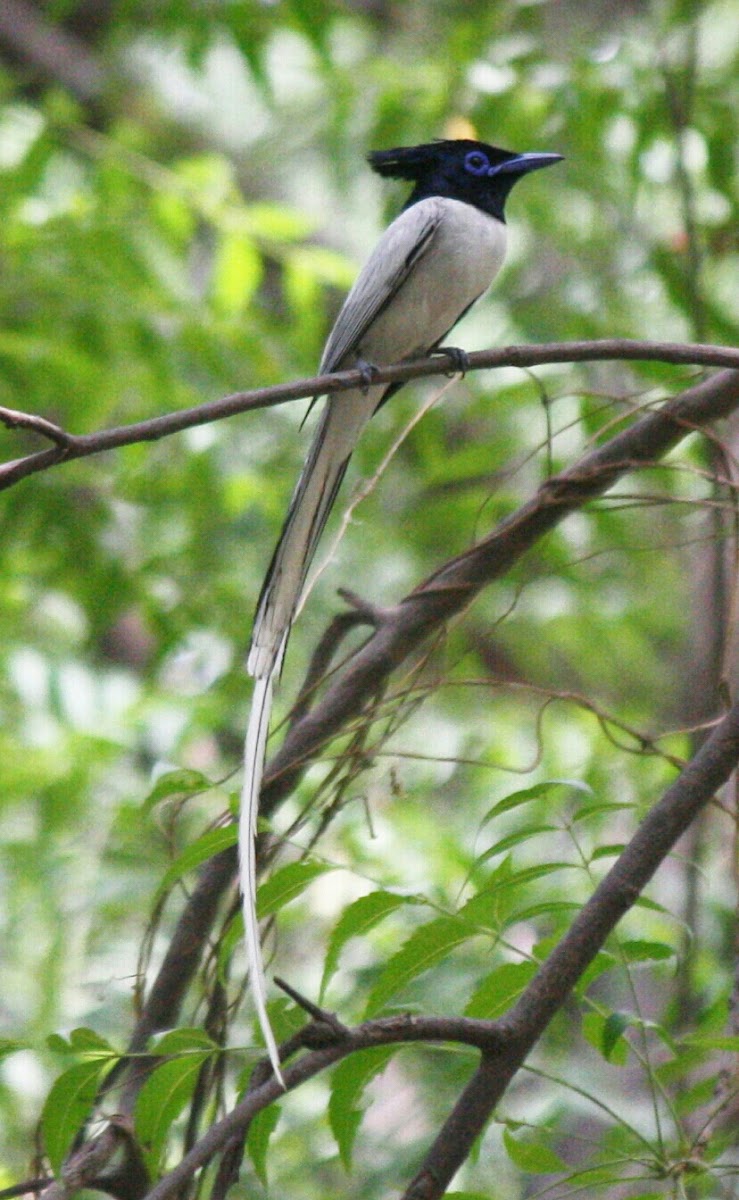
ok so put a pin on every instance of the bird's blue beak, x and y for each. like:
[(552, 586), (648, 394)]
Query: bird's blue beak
[(525, 162)]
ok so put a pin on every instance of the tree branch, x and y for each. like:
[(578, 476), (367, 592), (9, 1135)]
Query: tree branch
[(447, 591), (83, 445), (403, 628), (164, 1001), (52, 51), (385, 1031), (659, 831), (504, 1043)]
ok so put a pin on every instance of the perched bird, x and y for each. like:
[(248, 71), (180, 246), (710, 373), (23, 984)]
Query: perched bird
[(430, 265)]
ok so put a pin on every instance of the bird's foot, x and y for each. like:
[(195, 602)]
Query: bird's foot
[(369, 372), (459, 358)]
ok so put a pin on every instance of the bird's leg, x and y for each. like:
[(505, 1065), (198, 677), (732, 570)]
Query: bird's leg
[(459, 358)]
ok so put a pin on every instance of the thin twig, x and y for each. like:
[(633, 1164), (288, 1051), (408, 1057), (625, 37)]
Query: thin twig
[(12, 419), (321, 1015)]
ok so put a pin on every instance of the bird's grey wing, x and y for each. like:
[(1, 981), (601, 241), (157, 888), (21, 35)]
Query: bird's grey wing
[(398, 251)]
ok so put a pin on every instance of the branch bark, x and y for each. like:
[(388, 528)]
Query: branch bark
[(70, 446)]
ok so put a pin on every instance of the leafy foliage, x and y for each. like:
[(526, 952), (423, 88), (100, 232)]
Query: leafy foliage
[(187, 231)]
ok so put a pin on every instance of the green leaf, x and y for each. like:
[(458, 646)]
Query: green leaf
[(67, 1107), (605, 1034), (515, 839), (324, 265), (161, 1100), (228, 943), (535, 792), (709, 1042), (603, 961), (261, 1128), (276, 223), (286, 884), (516, 799), (424, 948), (614, 1028), (499, 989), (181, 1041), (544, 906), (591, 810), (607, 851), (539, 871), (58, 1044), (315, 20), (83, 1039), (203, 848), (491, 907), (348, 1083), (466, 1196), (285, 1017), (649, 904), (639, 950), (176, 783), (532, 1156), (358, 918)]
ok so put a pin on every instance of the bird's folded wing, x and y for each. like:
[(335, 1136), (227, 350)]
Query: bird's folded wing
[(398, 251)]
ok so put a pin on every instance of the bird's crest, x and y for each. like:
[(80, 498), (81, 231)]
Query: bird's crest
[(412, 162)]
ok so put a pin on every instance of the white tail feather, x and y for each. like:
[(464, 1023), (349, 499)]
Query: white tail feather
[(337, 433), (254, 750)]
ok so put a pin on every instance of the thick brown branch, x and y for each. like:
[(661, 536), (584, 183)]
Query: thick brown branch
[(84, 445)]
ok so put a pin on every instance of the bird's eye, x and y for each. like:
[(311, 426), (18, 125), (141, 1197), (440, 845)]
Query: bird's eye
[(476, 162)]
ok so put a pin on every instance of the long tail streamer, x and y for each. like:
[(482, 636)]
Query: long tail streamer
[(254, 751)]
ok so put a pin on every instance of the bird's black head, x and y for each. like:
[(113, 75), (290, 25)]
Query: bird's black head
[(459, 170)]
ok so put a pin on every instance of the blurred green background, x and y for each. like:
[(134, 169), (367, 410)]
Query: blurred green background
[(183, 203)]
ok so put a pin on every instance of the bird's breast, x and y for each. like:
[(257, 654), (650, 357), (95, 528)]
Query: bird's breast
[(464, 256)]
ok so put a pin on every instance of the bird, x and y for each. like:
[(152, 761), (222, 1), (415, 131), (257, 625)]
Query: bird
[(438, 256)]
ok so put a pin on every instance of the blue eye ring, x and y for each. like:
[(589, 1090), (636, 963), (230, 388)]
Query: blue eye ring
[(476, 163)]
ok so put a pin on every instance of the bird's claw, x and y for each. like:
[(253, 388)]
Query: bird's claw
[(459, 358), (369, 372)]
